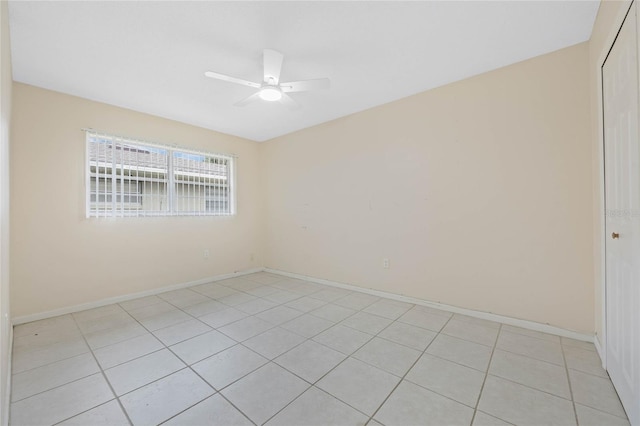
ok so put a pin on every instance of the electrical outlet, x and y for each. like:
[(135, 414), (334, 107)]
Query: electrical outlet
[(251, 257), (385, 263), (205, 253)]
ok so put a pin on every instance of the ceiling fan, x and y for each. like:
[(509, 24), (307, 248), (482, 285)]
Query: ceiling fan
[(271, 89)]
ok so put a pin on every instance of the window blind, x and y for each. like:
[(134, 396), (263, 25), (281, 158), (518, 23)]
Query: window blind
[(126, 177)]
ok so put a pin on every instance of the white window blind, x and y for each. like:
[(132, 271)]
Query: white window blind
[(126, 177)]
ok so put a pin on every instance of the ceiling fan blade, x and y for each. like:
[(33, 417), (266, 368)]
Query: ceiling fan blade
[(288, 102), (246, 101), (272, 66), (230, 79), (306, 85)]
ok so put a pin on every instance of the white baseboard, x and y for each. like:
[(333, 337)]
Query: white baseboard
[(516, 322), (530, 325), (601, 351), (117, 299)]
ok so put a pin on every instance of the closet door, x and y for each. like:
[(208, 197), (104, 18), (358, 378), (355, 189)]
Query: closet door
[(622, 203)]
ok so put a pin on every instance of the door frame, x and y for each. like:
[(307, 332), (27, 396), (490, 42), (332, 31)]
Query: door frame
[(600, 341)]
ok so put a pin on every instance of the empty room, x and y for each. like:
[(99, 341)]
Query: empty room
[(327, 213)]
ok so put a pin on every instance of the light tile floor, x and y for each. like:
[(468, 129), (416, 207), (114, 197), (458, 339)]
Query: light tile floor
[(266, 349)]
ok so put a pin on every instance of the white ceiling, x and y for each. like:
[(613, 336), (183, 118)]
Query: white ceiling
[(150, 56)]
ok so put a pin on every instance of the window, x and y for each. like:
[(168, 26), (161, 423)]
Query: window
[(128, 193), (131, 178)]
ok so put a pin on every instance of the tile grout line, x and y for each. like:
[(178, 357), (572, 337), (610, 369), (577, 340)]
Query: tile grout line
[(599, 410), (187, 366), (238, 343), (532, 388), (567, 368), (347, 355), (55, 387), (371, 418), (86, 411), (522, 384), (160, 378), (486, 374), (216, 390), (452, 362), (78, 338), (566, 371), (313, 385), (78, 379), (219, 391), (104, 376), (152, 334), (201, 401)]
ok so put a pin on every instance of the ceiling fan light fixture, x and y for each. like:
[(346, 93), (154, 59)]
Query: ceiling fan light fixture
[(270, 93)]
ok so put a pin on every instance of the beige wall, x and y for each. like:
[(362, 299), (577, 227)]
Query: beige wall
[(61, 259), (5, 117), (478, 192), (608, 21)]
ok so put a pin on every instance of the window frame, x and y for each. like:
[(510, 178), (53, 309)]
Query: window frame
[(172, 191)]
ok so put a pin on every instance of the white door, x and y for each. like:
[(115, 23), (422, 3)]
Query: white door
[(622, 203)]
